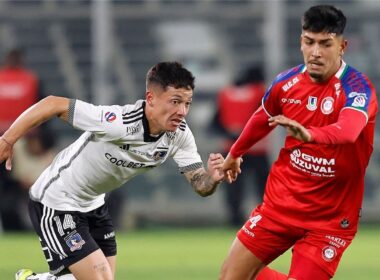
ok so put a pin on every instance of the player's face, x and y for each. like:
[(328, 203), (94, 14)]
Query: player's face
[(168, 107), (322, 53)]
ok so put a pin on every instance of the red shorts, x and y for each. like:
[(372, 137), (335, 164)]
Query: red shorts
[(267, 239)]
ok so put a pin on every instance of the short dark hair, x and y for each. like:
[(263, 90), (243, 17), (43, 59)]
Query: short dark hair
[(324, 18), (170, 74)]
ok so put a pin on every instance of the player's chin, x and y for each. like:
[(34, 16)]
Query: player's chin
[(171, 128), (316, 75)]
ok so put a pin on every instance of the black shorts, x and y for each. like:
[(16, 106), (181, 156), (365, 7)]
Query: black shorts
[(68, 236)]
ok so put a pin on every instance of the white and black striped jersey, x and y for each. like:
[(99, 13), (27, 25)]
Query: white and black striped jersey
[(115, 147)]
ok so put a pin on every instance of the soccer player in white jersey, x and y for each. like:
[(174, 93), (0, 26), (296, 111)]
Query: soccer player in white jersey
[(67, 201)]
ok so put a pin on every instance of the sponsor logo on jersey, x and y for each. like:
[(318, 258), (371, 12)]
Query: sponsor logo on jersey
[(132, 129), (110, 116), (312, 103), (327, 105), (74, 241), (248, 232), (125, 163), (109, 235), (289, 84), (316, 166), (337, 89), (354, 94), (328, 253), (291, 101), (336, 241)]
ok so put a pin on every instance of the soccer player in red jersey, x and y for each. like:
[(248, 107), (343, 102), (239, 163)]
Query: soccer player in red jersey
[(315, 188)]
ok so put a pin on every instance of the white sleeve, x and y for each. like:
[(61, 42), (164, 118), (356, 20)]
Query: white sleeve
[(186, 156), (104, 121)]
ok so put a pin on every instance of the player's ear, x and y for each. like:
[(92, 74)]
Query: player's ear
[(149, 97), (343, 46)]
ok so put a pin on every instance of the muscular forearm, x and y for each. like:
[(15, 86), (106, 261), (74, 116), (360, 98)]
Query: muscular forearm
[(37, 114), (202, 182)]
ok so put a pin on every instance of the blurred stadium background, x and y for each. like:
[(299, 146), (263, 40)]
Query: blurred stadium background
[(99, 51)]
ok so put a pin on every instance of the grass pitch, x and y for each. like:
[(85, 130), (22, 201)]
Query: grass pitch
[(185, 254)]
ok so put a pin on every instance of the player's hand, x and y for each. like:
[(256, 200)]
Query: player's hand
[(231, 168), (6, 153), (214, 167), (294, 128)]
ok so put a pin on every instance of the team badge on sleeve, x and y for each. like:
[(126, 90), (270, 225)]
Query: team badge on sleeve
[(359, 101), (74, 241), (110, 116)]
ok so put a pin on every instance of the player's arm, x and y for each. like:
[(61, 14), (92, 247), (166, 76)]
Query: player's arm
[(37, 114), (347, 129), (205, 182)]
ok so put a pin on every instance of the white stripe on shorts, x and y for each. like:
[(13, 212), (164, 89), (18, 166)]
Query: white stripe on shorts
[(48, 231)]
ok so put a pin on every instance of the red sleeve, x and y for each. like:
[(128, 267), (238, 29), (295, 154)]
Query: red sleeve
[(346, 130), (255, 129)]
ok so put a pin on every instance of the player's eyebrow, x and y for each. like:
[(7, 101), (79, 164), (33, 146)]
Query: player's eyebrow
[(321, 41)]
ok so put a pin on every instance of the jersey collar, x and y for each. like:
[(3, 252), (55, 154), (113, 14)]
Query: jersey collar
[(147, 136), (339, 74)]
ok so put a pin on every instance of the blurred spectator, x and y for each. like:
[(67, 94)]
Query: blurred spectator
[(32, 155), (19, 89), (236, 104)]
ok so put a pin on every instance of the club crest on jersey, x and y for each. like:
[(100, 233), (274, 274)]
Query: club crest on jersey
[(110, 116), (327, 105), (74, 241), (159, 155), (328, 253), (312, 103)]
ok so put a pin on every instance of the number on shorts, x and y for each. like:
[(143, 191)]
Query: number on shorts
[(254, 220), (68, 222)]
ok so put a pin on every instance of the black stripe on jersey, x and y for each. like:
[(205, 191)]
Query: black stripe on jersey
[(191, 167), (134, 111), (133, 120), (132, 116), (162, 148), (63, 167), (182, 125)]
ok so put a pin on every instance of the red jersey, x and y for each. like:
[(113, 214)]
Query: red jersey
[(18, 91), (314, 185)]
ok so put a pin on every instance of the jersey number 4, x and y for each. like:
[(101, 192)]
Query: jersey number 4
[(254, 220)]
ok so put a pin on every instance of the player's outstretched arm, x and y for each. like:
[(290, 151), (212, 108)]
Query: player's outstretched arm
[(205, 182), (37, 114)]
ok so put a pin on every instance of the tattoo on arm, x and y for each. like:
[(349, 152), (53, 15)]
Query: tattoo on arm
[(201, 182), (100, 267)]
